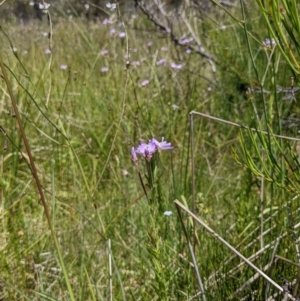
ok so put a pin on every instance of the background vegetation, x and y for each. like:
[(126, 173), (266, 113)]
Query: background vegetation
[(89, 91)]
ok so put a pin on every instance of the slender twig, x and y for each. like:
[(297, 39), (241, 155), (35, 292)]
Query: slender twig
[(110, 269), (193, 174), (241, 126), (262, 193)]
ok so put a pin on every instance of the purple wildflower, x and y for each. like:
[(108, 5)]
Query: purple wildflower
[(164, 48), (185, 41), (63, 67), (269, 42), (146, 150), (122, 35), (145, 82), (107, 21), (135, 63), (48, 51), (176, 66), (161, 62), (133, 155), (104, 69), (104, 52), (163, 145)]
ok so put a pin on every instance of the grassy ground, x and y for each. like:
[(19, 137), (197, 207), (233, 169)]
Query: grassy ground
[(83, 107)]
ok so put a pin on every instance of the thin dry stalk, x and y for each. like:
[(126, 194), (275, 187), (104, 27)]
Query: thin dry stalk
[(110, 270), (240, 126), (193, 174)]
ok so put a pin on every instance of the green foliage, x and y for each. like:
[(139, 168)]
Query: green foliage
[(81, 123)]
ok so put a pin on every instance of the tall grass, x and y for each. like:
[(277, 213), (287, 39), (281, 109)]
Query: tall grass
[(83, 109)]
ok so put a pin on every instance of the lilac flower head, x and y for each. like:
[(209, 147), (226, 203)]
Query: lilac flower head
[(176, 66), (133, 155), (135, 63), (185, 41), (146, 150), (122, 35), (163, 145), (107, 21), (104, 69), (161, 62), (104, 52), (145, 82), (269, 42)]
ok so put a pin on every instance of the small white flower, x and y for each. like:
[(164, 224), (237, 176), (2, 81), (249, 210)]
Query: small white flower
[(44, 6), (175, 107), (168, 213), (111, 6), (86, 6)]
